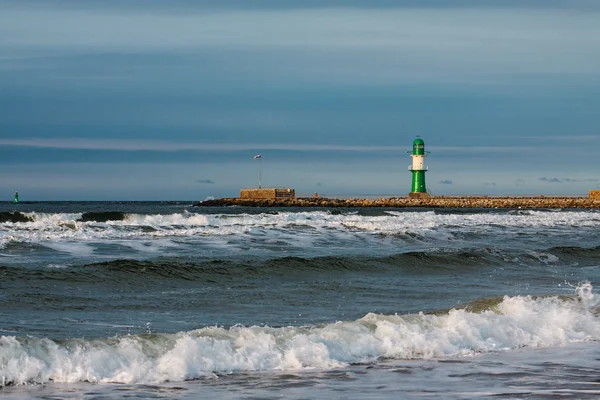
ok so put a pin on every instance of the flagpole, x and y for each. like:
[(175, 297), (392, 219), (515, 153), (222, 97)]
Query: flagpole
[(259, 172), (259, 169)]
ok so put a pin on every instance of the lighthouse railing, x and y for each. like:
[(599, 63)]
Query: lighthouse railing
[(410, 168)]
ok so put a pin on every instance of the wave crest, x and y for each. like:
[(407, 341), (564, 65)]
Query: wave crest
[(150, 358)]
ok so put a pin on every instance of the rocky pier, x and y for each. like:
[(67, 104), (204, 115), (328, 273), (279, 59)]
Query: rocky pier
[(539, 202)]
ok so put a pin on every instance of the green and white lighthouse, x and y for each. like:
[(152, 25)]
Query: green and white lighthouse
[(418, 169)]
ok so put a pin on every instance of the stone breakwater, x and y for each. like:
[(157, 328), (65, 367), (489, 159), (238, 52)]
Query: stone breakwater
[(402, 202)]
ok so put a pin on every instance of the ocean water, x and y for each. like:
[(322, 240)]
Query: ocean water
[(106, 300)]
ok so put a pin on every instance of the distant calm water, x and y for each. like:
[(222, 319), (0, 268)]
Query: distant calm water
[(165, 300)]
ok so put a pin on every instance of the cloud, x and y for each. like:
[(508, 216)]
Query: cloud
[(208, 181), (164, 145), (489, 184), (565, 138), (172, 145), (552, 180), (566, 180), (376, 45), (446, 182)]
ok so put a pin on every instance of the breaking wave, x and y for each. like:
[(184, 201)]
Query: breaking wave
[(290, 229), (386, 222), (503, 324)]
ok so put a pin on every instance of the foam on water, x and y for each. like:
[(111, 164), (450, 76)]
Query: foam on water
[(57, 266), (150, 246), (545, 258), (164, 220), (291, 233), (515, 322), (80, 249), (60, 226)]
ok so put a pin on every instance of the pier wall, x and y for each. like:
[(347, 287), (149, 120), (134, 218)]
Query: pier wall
[(402, 202)]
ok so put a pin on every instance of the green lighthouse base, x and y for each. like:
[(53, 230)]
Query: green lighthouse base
[(419, 195)]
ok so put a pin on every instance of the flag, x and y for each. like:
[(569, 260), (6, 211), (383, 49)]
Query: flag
[(257, 156)]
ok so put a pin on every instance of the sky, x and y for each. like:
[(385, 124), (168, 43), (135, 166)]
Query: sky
[(171, 100)]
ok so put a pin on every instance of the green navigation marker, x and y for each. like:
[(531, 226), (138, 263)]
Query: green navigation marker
[(418, 169), (16, 197)]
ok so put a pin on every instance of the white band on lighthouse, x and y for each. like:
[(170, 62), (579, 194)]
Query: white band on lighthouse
[(417, 163)]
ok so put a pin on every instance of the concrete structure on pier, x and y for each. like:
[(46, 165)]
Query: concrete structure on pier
[(268, 193)]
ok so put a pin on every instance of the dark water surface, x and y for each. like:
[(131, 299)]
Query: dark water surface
[(167, 300)]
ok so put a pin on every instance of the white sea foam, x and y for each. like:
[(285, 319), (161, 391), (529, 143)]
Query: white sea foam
[(48, 220), (295, 228), (166, 220), (515, 322), (57, 266), (156, 246), (80, 249), (546, 258), (5, 239)]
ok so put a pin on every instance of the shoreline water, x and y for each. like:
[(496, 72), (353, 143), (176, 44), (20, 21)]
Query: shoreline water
[(539, 202)]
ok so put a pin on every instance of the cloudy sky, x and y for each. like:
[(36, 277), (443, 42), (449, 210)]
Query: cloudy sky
[(169, 100)]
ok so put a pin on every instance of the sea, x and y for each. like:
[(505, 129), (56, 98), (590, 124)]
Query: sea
[(166, 300)]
